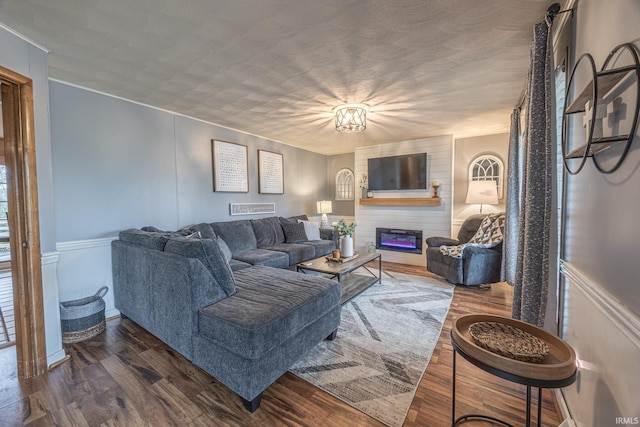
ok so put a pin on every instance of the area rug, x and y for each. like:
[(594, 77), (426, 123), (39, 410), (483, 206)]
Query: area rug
[(386, 337)]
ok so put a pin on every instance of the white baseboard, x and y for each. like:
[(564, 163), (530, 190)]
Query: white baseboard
[(564, 409)]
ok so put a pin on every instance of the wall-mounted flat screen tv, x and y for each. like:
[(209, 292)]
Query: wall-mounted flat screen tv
[(407, 172)]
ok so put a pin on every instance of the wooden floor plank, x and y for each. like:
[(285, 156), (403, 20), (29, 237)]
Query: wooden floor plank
[(127, 377)]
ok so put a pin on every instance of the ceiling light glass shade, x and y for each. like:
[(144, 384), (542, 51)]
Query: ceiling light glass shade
[(351, 118)]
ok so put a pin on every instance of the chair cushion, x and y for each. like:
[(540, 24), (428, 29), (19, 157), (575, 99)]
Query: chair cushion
[(469, 227), (321, 247), (238, 235), (270, 307), (268, 231), (263, 257), (489, 234), (297, 252), (238, 265)]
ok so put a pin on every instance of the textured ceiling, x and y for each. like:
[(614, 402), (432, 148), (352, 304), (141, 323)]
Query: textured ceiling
[(276, 68)]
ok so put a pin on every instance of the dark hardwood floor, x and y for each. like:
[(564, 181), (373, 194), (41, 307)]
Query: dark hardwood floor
[(126, 377)]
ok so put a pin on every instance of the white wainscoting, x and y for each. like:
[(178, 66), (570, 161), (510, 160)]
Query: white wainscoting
[(84, 266), (51, 307), (432, 220), (605, 335)]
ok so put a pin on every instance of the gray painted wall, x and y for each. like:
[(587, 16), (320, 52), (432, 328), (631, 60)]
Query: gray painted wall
[(334, 164), (602, 236), (601, 310), (117, 164)]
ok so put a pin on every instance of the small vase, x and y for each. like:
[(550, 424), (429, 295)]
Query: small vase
[(364, 193), (346, 246)]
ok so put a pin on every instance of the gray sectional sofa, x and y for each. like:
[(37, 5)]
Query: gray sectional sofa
[(223, 296)]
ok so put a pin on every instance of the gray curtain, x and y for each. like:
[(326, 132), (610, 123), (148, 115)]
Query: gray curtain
[(512, 217), (536, 205)]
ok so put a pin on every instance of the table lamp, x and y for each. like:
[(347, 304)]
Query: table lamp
[(483, 193), (324, 207)]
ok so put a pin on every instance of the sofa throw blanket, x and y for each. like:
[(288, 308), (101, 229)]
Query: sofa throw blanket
[(488, 235)]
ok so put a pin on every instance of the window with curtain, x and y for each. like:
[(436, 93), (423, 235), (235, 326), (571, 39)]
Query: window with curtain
[(487, 168), (345, 184)]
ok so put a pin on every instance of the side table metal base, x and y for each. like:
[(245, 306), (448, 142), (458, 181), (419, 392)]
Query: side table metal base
[(464, 418)]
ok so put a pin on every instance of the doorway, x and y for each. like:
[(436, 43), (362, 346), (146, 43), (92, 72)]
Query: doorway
[(23, 222), (7, 317)]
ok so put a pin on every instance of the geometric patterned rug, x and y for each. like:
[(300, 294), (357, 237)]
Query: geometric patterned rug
[(386, 337)]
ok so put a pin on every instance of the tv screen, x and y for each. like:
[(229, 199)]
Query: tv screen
[(408, 172)]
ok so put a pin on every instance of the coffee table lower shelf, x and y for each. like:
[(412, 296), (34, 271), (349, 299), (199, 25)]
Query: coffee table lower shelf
[(352, 284)]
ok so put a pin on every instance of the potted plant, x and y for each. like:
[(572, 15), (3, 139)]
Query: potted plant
[(346, 240)]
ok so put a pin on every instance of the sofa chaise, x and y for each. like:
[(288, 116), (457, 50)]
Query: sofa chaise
[(234, 309)]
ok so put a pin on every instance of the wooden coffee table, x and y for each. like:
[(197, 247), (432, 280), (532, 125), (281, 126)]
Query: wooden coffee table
[(352, 284)]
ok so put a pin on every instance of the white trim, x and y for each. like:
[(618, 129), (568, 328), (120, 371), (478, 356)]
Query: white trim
[(55, 357), (84, 244), (23, 37), (562, 404), (612, 308), (49, 258)]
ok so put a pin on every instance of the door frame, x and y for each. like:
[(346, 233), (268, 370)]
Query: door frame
[(24, 222)]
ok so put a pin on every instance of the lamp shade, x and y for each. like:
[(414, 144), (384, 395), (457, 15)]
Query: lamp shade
[(482, 192), (324, 206)]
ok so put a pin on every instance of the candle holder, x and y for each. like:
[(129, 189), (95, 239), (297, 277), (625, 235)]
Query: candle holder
[(435, 186)]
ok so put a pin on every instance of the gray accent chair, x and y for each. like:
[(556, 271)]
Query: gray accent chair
[(477, 266), (244, 325)]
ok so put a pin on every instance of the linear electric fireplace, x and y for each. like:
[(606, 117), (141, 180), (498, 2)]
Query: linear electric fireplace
[(393, 239)]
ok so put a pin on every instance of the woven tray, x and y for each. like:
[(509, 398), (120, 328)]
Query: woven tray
[(508, 341), (343, 259)]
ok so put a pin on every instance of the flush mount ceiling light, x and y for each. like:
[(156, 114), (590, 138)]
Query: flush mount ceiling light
[(351, 117)]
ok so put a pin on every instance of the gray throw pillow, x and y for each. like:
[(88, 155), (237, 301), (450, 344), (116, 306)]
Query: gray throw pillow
[(311, 230), (225, 249), (294, 233)]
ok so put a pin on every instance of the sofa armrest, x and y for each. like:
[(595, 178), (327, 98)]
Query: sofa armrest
[(330, 234), (162, 292), (439, 241), (482, 265)]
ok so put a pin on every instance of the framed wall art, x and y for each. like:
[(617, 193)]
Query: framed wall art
[(270, 172), (230, 167), (251, 208)]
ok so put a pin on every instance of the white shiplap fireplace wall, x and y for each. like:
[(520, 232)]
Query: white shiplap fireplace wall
[(432, 220)]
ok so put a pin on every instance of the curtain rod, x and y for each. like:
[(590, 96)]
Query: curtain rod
[(554, 10)]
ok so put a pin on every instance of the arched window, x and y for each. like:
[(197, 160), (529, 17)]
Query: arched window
[(345, 184), (487, 168)]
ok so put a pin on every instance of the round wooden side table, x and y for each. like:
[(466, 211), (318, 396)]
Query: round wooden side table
[(558, 369)]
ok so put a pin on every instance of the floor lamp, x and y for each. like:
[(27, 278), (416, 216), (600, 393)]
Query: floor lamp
[(483, 193), (324, 207)]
